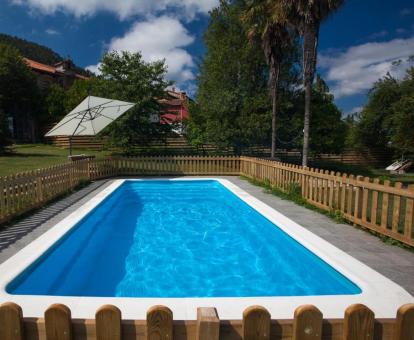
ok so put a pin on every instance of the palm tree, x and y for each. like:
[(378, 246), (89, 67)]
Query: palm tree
[(307, 16), (263, 24)]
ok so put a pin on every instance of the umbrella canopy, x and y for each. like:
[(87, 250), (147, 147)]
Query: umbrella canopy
[(90, 117)]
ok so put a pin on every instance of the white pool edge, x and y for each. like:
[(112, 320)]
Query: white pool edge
[(379, 293)]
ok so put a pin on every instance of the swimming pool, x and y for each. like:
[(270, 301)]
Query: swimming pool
[(179, 239), (184, 242)]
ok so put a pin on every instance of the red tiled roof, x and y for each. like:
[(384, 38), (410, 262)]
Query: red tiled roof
[(39, 66), (48, 68)]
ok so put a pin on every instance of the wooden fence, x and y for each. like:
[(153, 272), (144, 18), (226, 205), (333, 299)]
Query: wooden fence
[(383, 208), (359, 323), (22, 192)]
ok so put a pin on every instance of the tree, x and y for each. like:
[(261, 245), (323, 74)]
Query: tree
[(402, 138), (232, 108), (387, 120), (54, 104), (126, 76), (276, 42), (307, 16), (329, 130), (19, 96)]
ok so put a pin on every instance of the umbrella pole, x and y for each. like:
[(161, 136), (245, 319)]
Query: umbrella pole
[(70, 146)]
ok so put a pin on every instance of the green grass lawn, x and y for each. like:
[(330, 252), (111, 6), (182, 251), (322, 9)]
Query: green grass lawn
[(34, 156)]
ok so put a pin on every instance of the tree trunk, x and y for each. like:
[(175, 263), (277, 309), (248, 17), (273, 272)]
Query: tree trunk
[(306, 124), (274, 89), (310, 46)]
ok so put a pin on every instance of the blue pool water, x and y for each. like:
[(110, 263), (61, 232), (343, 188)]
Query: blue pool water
[(178, 239)]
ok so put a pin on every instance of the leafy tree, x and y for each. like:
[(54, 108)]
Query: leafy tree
[(231, 109), (329, 130), (276, 43), (4, 132), (386, 121), (19, 96), (126, 76), (54, 104), (402, 138), (307, 16)]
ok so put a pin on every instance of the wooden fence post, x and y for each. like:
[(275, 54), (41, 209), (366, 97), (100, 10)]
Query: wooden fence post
[(58, 323), (404, 327), (358, 323), (307, 323), (256, 323), (159, 323), (409, 212), (208, 324), (108, 323), (11, 322)]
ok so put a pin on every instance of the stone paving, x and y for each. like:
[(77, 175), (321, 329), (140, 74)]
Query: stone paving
[(391, 261)]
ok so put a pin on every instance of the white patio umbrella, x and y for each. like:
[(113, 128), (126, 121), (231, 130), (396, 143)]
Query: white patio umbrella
[(90, 117)]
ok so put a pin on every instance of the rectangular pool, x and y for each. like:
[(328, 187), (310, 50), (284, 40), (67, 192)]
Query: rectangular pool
[(178, 239), (188, 243)]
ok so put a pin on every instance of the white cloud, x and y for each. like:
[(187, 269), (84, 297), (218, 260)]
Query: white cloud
[(159, 38), (122, 8), (94, 68), (356, 69), (51, 31)]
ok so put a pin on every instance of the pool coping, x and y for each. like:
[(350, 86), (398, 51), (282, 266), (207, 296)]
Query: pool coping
[(378, 292)]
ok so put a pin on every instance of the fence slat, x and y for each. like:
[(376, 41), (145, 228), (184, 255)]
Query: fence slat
[(11, 322), (256, 323), (159, 323), (208, 324), (384, 209), (108, 323), (409, 212), (358, 323), (404, 326), (58, 323), (307, 324)]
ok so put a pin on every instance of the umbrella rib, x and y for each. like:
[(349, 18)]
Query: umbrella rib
[(58, 126)]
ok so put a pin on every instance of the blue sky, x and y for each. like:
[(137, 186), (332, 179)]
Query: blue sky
[(357, 45)]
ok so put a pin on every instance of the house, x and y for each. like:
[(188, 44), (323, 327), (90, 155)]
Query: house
[(175, 109), (61, 73)]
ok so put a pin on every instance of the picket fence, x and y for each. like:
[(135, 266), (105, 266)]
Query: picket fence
[(359, 323), (381, 207)]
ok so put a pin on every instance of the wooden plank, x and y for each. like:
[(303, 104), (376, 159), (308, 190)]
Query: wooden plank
[(108, 323), (307, 324), (58, 323), (404, 325), (208, 324), (396, 209), (159, 323), (358, 200), (409, 212), (374, 206), (384, 208), (11, 322), (365, 193), (350, 198), (358, 323), (256, 323)]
